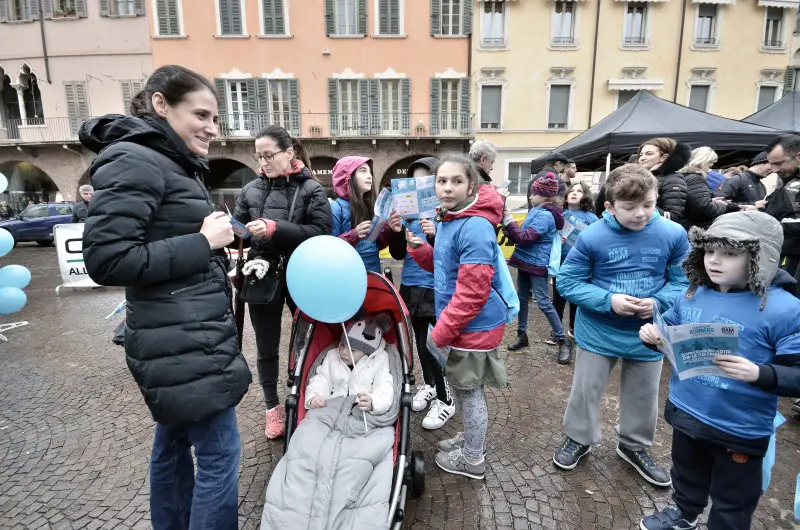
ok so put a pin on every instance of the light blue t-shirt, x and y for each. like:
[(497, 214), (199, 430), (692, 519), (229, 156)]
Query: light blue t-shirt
[(414, 275), (732, 406)]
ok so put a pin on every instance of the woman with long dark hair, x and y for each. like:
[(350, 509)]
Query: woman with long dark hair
[(281, 209), (152, 229)]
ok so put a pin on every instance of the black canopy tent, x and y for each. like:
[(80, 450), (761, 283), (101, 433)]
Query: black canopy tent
[(784, 114), (646, 116)]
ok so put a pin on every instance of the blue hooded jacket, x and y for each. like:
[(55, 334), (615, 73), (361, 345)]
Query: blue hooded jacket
[(610, 259)]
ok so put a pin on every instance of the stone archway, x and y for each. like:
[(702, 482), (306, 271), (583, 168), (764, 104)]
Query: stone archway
[(27, 182), (226, 180), (399, 169)]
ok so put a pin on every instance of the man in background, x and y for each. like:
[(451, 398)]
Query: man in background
[(80, 209)]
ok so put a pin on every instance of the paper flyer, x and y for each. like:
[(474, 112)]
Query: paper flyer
[(415, 198), (691, 348), (573, 227), (383, 209)]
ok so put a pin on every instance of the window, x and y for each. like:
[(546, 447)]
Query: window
[(35, 212), (129, 89), (238, 107), (390, 105), (563, 27), (64, 210), (451, 13), (766, 96), (349, 108), (624, 96), (64, 8), (389, 17), (519, 177), (121, 8), (77, 104), (450, 105), (280, 103), (635, 23), (773, 28), (273, 17), (168, 20), (346, 17), (558, 114), (491, 103), (230, 17), (698, 97), (493, 25), (706, 28), (19, 10)]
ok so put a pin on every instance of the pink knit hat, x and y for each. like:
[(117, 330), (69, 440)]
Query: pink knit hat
[(546, 186)]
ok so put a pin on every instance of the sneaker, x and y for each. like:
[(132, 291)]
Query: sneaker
[(423, 396), (571, 334), (438, 415), (796, 406), (451, 444), (667, 519), (276, 418), (520, 342), (647, 468), (570, 453), (551, 339), (456, 463)]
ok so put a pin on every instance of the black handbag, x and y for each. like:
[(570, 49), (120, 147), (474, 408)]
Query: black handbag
[(269, 289)]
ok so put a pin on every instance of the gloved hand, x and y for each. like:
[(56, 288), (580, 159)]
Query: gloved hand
[(259, 267), (507, 217)]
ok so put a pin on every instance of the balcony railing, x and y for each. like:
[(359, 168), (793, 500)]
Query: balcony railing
[(247, 126), (565, 39), (635, 40), (705, 41), (768, 43)]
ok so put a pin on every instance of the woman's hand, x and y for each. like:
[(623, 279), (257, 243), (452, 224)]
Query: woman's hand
[(649, 335), (257, 228), (645, 308), (737, 367), (395, 222), (364, 402), (412, 240), (624, 305), (218, 230), (316, 402), (428, 227), (363, 229)]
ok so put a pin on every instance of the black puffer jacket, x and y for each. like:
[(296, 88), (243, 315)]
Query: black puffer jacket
[(784, 203), (143, 233), (743, 188), (671, 184), (80, 211), (701, 210), (271, 199)]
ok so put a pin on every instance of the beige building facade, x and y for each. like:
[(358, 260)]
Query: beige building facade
[(545, 71)]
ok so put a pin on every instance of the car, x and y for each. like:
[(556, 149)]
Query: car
[(36, 222)]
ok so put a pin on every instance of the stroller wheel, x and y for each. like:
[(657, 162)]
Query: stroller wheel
[(417, 473)]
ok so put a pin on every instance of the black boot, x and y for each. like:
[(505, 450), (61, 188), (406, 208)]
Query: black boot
[(564, 351), (521, 342)]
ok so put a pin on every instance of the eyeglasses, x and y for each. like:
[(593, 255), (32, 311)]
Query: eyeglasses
[(267, 157)]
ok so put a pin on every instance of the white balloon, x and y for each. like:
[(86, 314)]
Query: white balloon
[(3, 183)]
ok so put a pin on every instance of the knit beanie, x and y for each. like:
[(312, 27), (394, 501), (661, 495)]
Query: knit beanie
[(546, 186), (714, 180), (365, 335), (760, 158)]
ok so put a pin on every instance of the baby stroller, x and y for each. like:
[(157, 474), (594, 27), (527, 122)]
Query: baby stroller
[(309, 338)]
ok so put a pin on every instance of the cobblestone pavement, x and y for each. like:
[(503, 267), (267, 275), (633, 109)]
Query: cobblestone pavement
[(75, 436)]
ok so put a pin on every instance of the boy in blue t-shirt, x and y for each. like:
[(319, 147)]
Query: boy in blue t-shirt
[(619, 268), (722, 425)]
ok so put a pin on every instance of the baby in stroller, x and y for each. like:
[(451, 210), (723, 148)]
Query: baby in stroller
[(357, 365)]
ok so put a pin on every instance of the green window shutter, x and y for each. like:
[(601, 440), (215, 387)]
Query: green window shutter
[(436, 17), (47, 6), (333, 100), (405, 106), (172, 18), (138, 8), (222, 105), (294, 107), (105, 8), (225, 25), (383, 17), (251, 115), (464, 109), (3, 11), (80, 8), (362, 17), (263, 116), (77, 104), (375, 106), (34, 9), (330, 22), (236, 17), (466, 21), (394, 17), (280, 23), (436, 97), (127, 96), (364, 90), (788, 80), (162, 16)]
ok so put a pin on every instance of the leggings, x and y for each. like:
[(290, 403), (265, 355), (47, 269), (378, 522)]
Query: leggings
[(560, 303), (475, 416), (431, 369)]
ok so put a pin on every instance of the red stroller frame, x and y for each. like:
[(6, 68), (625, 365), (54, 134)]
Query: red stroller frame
[(309, 338)]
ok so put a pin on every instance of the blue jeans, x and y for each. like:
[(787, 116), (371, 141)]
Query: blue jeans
[(539, 286), (178, 499)]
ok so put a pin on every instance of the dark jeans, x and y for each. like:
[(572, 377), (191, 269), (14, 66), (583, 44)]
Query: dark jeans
[(431, 369), (538, 285), (733, 480), (179, 500), (560, 303), (266, 320)]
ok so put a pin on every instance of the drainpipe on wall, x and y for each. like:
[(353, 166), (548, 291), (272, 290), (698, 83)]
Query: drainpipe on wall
[(594, 62), (44, 42), (680, 53), (469, 73)]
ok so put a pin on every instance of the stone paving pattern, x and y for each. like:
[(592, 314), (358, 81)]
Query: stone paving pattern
[(75, 436)]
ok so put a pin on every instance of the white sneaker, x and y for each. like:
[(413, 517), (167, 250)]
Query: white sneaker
[(438, 415), (423, 396)]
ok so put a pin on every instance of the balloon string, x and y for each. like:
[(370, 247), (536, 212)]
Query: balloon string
[(347, 340)]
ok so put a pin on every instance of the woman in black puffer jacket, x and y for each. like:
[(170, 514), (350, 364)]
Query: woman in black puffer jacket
[(664, 157), (701, 209), (152, 229), (282, 208)]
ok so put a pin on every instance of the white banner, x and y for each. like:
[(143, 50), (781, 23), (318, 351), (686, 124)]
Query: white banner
[(69, 245)]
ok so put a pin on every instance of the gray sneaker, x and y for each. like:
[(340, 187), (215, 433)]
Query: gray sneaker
[(456, 463), (451, 444)]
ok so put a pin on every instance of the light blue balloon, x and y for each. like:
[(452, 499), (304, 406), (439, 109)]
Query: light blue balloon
[(6, 242), (11, 300), (15, 276), (327, 279), (3, 183)]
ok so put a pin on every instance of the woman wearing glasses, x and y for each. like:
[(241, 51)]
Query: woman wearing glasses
[(281, 209)]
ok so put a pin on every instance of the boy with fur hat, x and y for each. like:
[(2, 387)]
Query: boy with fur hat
[(369, 378), (722, 426)]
